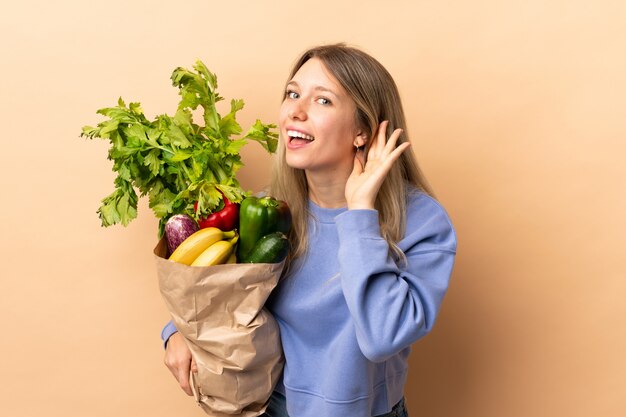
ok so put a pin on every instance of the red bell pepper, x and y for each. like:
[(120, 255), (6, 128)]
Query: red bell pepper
[(226, 219)]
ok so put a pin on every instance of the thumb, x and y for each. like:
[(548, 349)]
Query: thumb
[(357, 167), (194, 367)]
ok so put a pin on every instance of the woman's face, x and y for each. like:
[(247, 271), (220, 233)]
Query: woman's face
[(317, 122)]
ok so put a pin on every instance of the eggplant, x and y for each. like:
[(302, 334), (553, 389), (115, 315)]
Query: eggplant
[(178, 228)]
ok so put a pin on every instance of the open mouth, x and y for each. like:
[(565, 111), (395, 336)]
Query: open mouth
[(299, 138)]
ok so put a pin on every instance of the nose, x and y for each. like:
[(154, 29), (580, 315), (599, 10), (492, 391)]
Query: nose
[(297, 110)]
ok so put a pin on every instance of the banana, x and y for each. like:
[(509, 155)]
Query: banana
[(232, 259), (217, 253), (195, 244)]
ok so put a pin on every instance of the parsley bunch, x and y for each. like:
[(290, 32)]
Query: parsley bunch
[(171, 159)]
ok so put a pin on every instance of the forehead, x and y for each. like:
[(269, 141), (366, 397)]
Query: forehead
[(313, 73)]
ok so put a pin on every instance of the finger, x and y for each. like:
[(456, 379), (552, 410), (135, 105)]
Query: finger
[(381, 139), (357, 167), (194, 366), (183, 379), (393, 156), (378, 141), (393, 139)]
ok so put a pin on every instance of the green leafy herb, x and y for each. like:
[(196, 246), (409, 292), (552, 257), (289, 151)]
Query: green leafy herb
[(171, 159)]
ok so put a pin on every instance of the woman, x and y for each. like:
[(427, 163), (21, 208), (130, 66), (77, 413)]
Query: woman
[(372, 251)]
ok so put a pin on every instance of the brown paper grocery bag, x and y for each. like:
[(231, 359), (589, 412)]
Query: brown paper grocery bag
[(234, 341)]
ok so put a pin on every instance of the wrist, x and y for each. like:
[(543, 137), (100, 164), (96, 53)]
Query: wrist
[(360, 205)]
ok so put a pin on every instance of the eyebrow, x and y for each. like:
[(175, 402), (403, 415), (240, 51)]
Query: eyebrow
[(316, 88)]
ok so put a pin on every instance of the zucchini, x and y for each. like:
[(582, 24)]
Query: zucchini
[(270, 249)]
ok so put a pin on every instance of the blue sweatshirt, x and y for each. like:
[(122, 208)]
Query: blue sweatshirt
[(348, 314)]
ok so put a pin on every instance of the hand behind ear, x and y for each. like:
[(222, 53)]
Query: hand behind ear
[(367, 177)]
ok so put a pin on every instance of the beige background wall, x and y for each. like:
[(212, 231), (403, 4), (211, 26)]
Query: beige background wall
[(516, 110)]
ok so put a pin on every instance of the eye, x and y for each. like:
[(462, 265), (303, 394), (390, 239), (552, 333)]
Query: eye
[(291, 94), (324, 101)]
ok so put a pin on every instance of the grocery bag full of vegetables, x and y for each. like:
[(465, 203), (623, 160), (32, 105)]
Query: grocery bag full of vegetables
[(188, 172)]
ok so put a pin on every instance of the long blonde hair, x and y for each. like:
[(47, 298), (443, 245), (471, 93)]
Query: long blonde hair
[(377, 99)]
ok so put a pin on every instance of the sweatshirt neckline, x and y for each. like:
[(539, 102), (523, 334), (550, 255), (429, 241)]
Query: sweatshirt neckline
[(325, 215)]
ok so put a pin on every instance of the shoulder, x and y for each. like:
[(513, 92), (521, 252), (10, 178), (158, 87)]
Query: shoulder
[(428, 222)]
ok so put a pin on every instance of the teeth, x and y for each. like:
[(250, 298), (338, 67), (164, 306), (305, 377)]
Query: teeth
[(296, 134)]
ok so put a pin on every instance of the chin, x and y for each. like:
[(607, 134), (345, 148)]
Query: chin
[(295, 164), (295, 161)]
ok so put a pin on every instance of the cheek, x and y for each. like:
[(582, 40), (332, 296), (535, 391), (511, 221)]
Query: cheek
[(346, 132), (282, 115)]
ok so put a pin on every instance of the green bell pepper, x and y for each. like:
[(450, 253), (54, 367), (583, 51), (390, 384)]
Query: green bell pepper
[(259, 217)]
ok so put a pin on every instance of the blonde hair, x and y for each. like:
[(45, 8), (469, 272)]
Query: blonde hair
[(377, 99)]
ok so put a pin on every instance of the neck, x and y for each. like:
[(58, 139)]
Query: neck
[(327, 189)]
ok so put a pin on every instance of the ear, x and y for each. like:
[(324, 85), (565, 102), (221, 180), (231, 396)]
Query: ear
[(360, 139)]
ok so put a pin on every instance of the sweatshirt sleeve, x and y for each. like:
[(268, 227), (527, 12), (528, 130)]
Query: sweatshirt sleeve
[(167, 332), (392, 306)]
